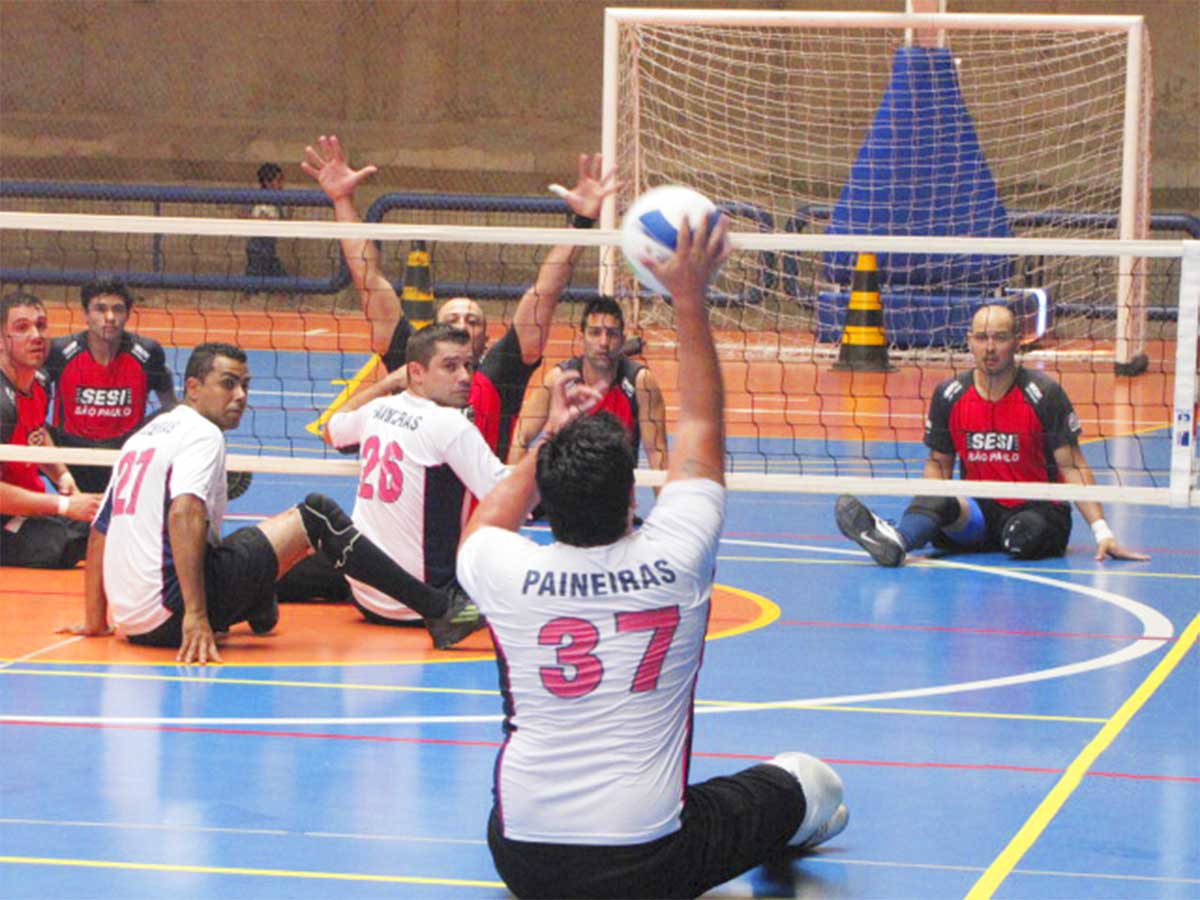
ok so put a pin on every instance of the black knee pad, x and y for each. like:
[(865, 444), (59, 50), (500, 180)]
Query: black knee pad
[(324, 522), (1027, 535), (943, 510)]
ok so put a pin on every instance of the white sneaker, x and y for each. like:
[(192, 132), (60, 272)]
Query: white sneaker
[(873, 534), (825, 815)]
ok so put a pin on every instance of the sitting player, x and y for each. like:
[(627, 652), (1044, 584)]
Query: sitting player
[(1003, 422)]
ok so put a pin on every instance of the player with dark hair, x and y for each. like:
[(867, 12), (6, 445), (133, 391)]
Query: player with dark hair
[(630, 390), (501, 371), (103, 377), (600, 637), (37, 529), (1002, 422), (156, 558)]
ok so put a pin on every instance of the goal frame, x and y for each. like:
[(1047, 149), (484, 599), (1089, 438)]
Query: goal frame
[(1133, 216)]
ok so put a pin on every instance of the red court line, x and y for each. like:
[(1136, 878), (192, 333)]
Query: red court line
[(376, 738), (961, 630)]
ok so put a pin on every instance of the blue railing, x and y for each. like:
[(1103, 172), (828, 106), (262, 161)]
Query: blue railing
[(774, 268)]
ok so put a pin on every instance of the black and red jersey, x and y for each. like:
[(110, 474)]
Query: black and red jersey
[(103, 403), (1010, 439), (21, 413), (621, 397), (497, 387)]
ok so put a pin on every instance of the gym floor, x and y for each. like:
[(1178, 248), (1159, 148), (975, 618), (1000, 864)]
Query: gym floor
[(1018, 730)]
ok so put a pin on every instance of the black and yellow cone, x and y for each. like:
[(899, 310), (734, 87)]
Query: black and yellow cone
[(864, 344), (418, 293)]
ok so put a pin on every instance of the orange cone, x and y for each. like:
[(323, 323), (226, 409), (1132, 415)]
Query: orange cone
[(864, 344)]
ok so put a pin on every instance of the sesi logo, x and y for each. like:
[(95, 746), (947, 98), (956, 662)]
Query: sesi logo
[(108, 397)]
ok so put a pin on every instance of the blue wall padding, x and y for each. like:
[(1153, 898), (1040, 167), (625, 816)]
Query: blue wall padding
[(921, 170)]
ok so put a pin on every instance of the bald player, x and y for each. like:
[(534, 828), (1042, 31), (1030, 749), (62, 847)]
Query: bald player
[(1001, 422)]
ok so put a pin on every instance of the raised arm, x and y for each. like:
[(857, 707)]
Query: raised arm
[(187, 527), (652, 419), (326, 164), (700, 434), (1075, 469), (508, 504), (532, 418), (535, 312)]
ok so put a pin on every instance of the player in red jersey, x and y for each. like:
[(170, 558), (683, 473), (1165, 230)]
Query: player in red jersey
[(37, 529), (630, 390), (503, 370), (103, 377), (1002, 422)]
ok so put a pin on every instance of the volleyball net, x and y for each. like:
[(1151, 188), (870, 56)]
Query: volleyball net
[(799, 417)]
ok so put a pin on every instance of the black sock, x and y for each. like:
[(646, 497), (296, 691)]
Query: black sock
[(334, 536)]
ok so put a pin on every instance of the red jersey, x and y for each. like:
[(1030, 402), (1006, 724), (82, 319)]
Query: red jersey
[(19, 415), (1010, 439), (497, 387), (104, 403), (621, 397)]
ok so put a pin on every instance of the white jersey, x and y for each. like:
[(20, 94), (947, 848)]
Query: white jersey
[(417, 463), (599, 649), (177, 453)]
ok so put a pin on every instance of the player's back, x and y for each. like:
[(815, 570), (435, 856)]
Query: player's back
[(600, 648), (179, 452)]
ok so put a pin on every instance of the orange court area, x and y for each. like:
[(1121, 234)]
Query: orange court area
[(34, 602)]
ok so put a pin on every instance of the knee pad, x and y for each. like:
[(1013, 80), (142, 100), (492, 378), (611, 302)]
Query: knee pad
[(329, 529), (943, 510), (1027, 535)]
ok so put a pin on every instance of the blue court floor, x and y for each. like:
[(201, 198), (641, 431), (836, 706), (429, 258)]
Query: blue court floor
[(1027, 729)]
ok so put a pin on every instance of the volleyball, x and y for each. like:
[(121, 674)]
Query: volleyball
[(650, 226)]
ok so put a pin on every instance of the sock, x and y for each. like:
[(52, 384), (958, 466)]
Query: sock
[(917, 529), (334, 536)]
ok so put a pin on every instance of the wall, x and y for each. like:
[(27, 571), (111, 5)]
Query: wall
[(463, 95)]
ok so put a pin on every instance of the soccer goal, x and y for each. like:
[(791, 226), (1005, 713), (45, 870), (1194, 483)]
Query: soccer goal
[(939, 124)]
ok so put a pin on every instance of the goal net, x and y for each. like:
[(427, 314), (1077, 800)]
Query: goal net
[(894, 124), (795, 423)]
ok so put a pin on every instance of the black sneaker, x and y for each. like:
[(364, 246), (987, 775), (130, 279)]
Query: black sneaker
[(459, 620), (266, 620), (873, 534)]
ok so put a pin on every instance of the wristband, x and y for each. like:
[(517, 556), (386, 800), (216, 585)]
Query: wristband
[(1101, 531), (578, 221), (64, 504)]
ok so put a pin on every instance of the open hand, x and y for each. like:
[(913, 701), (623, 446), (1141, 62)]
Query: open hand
[(326, 164)]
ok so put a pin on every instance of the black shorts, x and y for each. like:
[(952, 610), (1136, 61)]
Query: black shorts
[(89, 479), (239, 582), (1057, 517), (43, 542), (729, 825)]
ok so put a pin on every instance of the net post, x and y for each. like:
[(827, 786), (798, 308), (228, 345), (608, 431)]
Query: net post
[(1129, 356), (608, 147), (1183, 425)]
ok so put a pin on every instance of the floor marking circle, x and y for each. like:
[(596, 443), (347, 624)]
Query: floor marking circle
[(1153, 622)]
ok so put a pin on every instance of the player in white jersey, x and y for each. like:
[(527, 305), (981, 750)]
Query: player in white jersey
[(600, 637), (421, 464), (156, 559)]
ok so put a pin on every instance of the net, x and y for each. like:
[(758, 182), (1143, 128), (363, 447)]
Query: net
[(795, 421), (988, 126)]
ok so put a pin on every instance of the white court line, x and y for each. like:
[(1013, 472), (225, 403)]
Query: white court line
[(1154, 624), (75, 638)]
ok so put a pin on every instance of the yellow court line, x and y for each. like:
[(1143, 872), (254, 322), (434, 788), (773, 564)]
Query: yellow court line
[(1071, 778), (231, 870), (901, 711)]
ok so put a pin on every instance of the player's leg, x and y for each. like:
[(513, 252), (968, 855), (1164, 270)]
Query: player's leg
[(43, 542), (875, 535), (449, 613), (1036, 530)]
